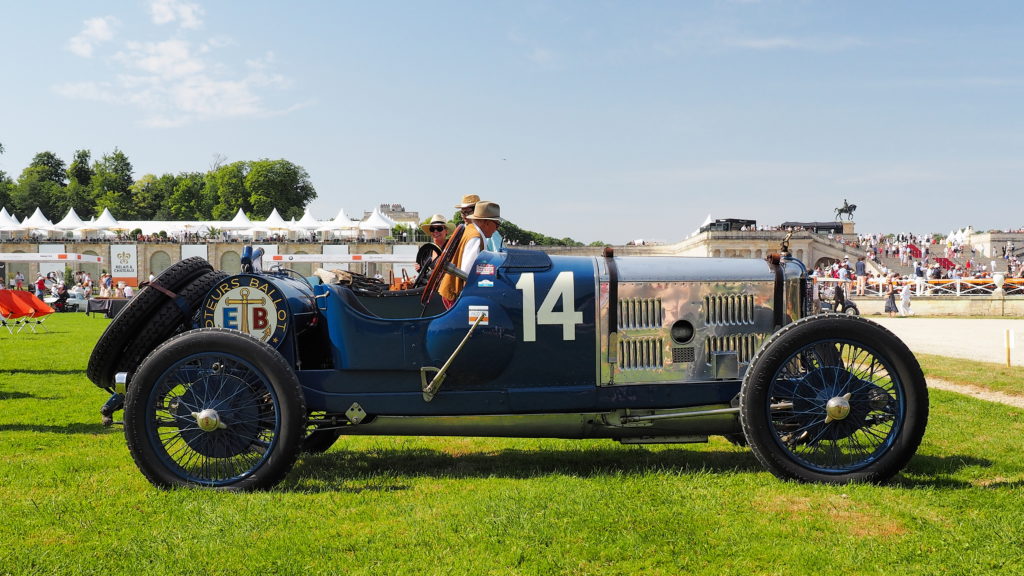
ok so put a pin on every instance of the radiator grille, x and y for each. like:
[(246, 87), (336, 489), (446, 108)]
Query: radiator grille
[(744, 345), (641, 353), (729, 309), (682, 355), (639, 313)]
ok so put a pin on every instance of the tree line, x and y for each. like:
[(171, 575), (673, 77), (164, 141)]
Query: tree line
[(88, 186), (257, 187)]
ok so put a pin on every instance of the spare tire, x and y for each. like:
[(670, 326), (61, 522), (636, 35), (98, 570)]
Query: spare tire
[(132, 319), (167, 319)]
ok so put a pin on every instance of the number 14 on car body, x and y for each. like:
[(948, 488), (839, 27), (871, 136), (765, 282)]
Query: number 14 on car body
[(562, 289)]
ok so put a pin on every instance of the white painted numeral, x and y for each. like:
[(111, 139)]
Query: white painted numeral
[(563, 289)]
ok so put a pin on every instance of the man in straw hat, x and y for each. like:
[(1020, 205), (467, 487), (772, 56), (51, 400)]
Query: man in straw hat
[(481, 224), (469, 201)]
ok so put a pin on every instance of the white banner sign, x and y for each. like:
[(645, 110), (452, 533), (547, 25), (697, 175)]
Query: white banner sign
[(46, 267), (334, 250), (190, 250), (69, 257), (345, 258), (124, 264)]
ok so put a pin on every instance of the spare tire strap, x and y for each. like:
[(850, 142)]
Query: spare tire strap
[(179, 301)]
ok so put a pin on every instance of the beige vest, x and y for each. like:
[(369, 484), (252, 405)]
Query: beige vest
[(452, 285)]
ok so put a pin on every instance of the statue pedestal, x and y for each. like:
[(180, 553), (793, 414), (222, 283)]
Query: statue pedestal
[(848, 227)]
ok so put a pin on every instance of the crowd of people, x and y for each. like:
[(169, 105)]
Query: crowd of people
[(61, 289)]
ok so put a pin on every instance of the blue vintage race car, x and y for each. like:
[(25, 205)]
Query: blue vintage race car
[(230, 378)]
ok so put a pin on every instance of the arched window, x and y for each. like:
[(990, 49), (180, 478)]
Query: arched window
[(158, 262), (230, 262)]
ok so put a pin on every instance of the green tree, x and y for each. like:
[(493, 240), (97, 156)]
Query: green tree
[(78, 192), (111, 185), (76, 196), (6, 184), (515, 235), (80, 172), (278, 184), (189, 201), (151, 196), (50, 168), (40, 185), (227, 185)]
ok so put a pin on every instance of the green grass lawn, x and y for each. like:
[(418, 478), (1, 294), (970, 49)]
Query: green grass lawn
[(999, 377), (72, 501)]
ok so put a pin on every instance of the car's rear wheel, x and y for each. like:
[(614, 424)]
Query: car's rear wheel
[(215, 408), (834, 399), (319, 437)]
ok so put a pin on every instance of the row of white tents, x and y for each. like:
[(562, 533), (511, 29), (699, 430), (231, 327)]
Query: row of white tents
[(376, 225)]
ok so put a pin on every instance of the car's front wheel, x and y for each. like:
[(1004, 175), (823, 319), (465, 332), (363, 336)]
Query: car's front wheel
[(835, 399), (215, 408)]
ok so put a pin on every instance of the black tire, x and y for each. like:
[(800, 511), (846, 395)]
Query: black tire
[(851, 309), (738, 440), (167, 320), (244, 392), (319, 440), (135, 315), (807, 375)]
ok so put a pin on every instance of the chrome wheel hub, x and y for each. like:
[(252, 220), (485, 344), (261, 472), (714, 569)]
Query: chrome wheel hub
[(837, 408), (208, 420)]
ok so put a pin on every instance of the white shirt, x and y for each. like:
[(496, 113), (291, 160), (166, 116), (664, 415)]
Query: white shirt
[(471, 250)]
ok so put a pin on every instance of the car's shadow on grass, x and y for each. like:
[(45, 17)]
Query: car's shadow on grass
[(926, 471), (74, 428), (382, 470), (45, 372), (341, 470), (15, 395)]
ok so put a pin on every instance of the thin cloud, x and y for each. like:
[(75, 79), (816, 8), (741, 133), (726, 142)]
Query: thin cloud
[(95, 31), (895, 176), (790, 43), (187, 14), (535, 53), (175, 82)]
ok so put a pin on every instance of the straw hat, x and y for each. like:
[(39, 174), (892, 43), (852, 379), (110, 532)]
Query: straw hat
[(486, 211), (437, 219), (468, 200)]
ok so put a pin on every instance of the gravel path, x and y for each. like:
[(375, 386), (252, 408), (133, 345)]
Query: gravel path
[(972, 338), (977, 392), (981, 339)]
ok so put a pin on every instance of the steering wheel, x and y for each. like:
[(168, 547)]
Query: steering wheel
[(440, 263)]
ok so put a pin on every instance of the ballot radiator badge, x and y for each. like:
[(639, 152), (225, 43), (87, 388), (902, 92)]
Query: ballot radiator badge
[(248, 304)]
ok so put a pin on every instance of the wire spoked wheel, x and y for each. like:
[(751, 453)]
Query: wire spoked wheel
[(215, 408), (823, 403)]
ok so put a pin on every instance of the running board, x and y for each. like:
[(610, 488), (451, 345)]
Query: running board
[(665, 440)]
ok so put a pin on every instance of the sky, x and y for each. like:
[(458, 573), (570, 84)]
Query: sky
[(597, 120)]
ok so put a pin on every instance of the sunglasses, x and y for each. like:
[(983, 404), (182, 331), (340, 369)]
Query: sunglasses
[(437, 228)]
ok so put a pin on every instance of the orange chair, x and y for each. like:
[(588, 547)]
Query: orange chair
[(36, 310), (10, 311)]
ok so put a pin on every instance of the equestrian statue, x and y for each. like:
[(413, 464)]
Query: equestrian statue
[(847, 209)]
